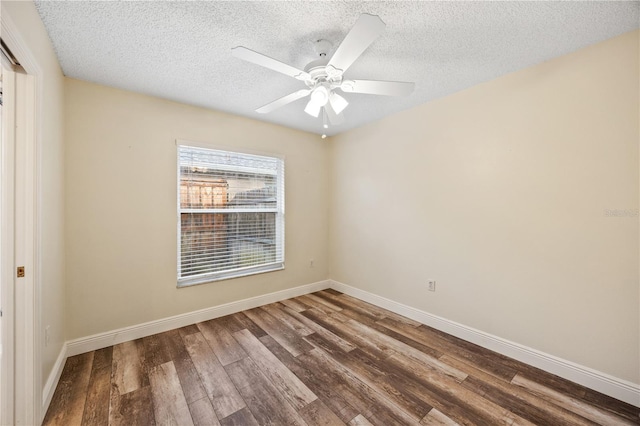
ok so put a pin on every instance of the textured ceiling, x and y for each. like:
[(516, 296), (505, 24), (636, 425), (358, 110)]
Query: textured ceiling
[(182, 50)]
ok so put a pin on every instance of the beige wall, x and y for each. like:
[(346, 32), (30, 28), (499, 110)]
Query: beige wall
[(499, 193), (121, 206), (51, 170)]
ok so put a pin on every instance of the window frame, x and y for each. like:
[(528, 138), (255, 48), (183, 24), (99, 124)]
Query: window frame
[(279, 211)]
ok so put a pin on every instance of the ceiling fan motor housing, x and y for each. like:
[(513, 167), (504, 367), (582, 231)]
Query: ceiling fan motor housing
[(321, 73)]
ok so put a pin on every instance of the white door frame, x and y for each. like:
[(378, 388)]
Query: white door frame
[(27, 383)]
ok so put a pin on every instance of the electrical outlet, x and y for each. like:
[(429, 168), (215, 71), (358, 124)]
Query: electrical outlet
[(431, 285), (47, 335)]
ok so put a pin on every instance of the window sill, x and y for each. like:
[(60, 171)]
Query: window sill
[(219, 276)]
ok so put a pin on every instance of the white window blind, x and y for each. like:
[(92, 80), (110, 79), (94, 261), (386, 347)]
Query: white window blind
[(231, 214)]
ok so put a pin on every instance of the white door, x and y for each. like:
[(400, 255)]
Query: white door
[(7, 186), (18, 390)]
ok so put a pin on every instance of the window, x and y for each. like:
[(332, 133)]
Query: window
[(231, 208)]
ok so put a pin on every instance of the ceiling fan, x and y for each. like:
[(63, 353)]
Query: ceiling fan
[(325, 75)]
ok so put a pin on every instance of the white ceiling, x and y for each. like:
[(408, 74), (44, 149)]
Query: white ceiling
[(182, 50)]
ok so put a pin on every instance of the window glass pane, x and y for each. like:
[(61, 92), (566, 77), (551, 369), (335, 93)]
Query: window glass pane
[(216, 178), (231, 213), (233, 240)]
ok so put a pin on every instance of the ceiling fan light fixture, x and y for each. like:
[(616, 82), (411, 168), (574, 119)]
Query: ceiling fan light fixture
[(313, 108), (320, 96), (338, 102)]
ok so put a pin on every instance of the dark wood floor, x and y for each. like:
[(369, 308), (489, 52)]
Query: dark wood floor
[(319, 359)]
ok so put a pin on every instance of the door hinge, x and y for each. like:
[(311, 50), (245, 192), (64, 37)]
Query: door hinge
[(20, 271)]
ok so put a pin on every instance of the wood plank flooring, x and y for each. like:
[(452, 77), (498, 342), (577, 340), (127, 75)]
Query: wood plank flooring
[(320, 359)]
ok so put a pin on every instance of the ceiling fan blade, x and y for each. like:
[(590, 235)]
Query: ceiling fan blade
[(313, 108), (366, 29), (267, 62), (283, 101), (334, 119), (374, 87)]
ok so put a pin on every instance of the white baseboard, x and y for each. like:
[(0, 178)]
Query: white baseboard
[(596, 380), (113, 337), (52, 380)]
